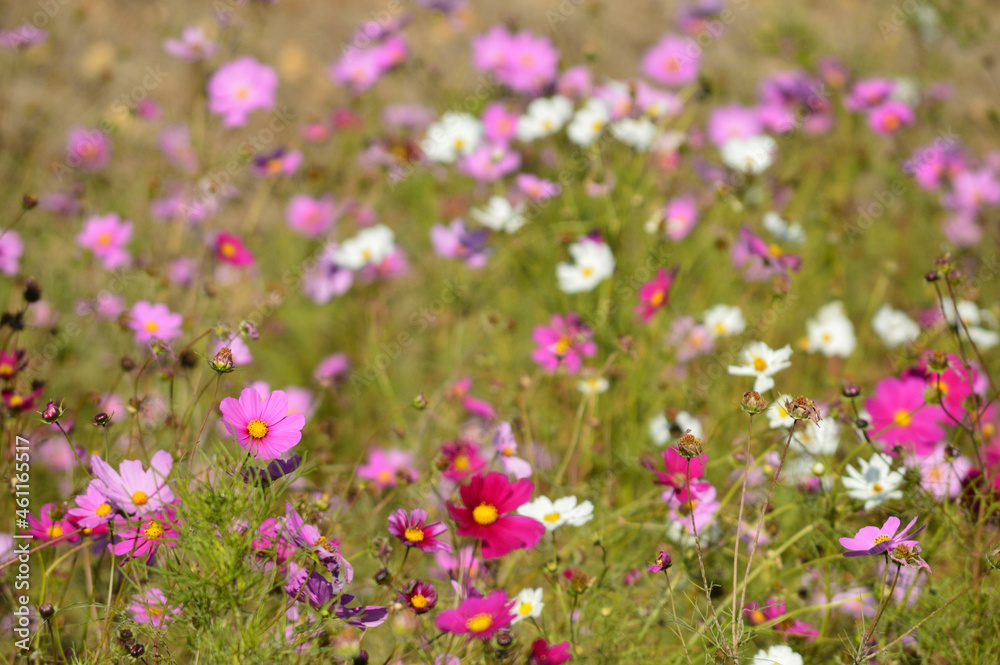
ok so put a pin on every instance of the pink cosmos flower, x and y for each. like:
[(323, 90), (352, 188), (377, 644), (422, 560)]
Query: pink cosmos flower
[(477, 407), (563, 343), (134, 489), (151, 608), (240, 87), (941, 473), (23, 36), (759, 260), (655, 294), (663, 562), (869, 93), (93, 509), (732, 122), (193, 45), (419, 596), (460, 459), (478, 617), (524, 62), (543, 653), (506, 447), (175, 144), (680, 215), (149, 321), (656, 103), (230, 249), (676, 475), (974, 188), (11, 249), (490, 162), (280, 162), (457, 241), (262, 426), (46, 528), (484, 514), (953, 385), (901, 416), (872, 540), (536, 188), (575, 83), (309, 539), (673, 61), (142, 536), (311, 216), (499, 123), (386, 467), (890, 116), (933, 164), (413, 530), (331, 368), (106, 236), (775, 608), (328, 278), (88, 149)]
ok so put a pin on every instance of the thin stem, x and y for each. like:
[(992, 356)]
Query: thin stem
[(673, 608), (739, 523), (697, 547), (208, 412)]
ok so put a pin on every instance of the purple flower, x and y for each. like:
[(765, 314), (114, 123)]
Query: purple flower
[(457, 241), (759, 260)]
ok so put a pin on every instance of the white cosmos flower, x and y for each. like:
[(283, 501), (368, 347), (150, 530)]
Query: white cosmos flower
[(593, 263), (370, 246), (753, 154), (589, 122), (724, 320), (819, 439), (594, 385), (545, 116), (661, 430), (779, 654), (637, 134), (528, 606), (500, 215), (454, 135), (873, 482), (980, 322), (831, 332), (777, 417), (782, 230), (762, 362), (553, 514), (894, 327)]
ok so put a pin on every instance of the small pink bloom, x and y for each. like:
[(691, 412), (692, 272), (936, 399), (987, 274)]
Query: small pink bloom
[(673, 61), (230, 249), (413, 530), (263, 427), (151, 608), (901, 416), (460, 459), (106, 236), (142, 536), (563, 343), (240, 87), (536, 188), (478, 617), (872, 540), (311, 216), (680, 215), (11, 250), (47, 529), (499, 124), (192, 46), (386, 467), (889, 117), (89, 149), (149, 321), (655, 294)]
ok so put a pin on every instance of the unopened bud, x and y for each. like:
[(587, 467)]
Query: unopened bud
[(753, 403), (851, 391), (46, 611), (32, 291), (29, 201), (52, 412), (101, 419), (382, 577), (937, 361), (420, 402), (223, 361)]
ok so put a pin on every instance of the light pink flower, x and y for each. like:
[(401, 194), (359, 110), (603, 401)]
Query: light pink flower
[(240, 87), (106, 236), (262, 426), (149, 321)]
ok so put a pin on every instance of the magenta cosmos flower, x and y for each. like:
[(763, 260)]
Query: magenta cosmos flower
[(11, 249), (106, 236), (655, 294), (240, 87), (672, 61), (88, 149), (413, 530), (872, 541), (478, 617), (663, 562), (901, 416), (487, 500), (543, 653), (889, 117), (47, 528), (230, 249), (262, 425), (386, 467), (144, 535), (564, 342), (149, 321)]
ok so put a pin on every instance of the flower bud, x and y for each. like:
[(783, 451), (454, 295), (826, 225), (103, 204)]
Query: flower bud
[(932, 276), (753, 403), (937, 361), (137, 650), (127, 364), (223, 361), (504, 639), (851, 391), (32, 290), (803, 408), (102, 419), (861, 423), (420, 402), (361, 658), (29, 201), (382, 577), (52, 412), (249, 329), (689, 445), (46, 610)]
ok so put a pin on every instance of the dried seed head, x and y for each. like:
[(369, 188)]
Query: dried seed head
[(803, 408), (753, 403), (689, 445)]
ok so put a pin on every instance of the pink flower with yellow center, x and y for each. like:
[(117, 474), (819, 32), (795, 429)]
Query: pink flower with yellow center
[(142, 536), (133, 489), (150, 320), (655, 294), (106, 236), (901, 416), (240, 87), (413, 530), (230, 249), (478, 617), (262, 425), (484, 514)]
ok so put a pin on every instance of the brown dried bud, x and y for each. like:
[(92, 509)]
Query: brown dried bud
[(753, 403), (689, 445), (937, 361), (803, 408)]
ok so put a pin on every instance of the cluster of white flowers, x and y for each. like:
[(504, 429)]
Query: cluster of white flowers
[(660, 427), (981, 323), (500, 215), (370, 247)]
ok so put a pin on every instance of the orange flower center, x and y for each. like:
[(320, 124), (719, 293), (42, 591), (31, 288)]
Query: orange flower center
[(485, 514), (140, 498), (414, 535)]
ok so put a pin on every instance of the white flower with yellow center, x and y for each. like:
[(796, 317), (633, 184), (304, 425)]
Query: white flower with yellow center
[(762, 362), (752, 155), (637, 134), (370, 247), (724, 320), (593, 263), (545, 116), (594, 385), (553, 514), (831, 332), (873, 482), (777, 416), (662, 431), (528, 606), (589, 122), (454, 135), (499, 215), (782, 230)]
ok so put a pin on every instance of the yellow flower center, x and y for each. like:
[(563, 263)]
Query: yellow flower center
[(902, 418), (153, 530), (414, 535), (658, 298), (479, 623), (757, 617), (672, 64), (104, 239), (587, 271), (6, 369), (103, 510), (459, 144), (366, 254), (552, 517), (485, 514), (877, 487), (55, 531), (720, 329), (242, 92), (228, 250), (525, 609), (384, 475), (881, 539), (16, 401), (152, 326), (774, 250), (140, 498), (562, 345), (759, 364), (941, 387), (598, 126), (257, 429), (891, 121), (418, 601), (461, 463)]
